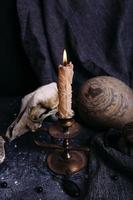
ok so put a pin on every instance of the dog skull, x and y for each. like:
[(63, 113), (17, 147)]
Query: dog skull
[(35, 107)]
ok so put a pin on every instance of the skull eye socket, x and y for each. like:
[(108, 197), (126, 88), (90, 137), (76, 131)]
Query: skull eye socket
[(45, 112)]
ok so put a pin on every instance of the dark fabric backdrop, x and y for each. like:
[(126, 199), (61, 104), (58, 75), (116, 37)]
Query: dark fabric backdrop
[(98, 37), (16, 76)]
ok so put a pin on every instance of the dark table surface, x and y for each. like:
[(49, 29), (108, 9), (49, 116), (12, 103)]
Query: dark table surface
[(109, 171), (25, 167)]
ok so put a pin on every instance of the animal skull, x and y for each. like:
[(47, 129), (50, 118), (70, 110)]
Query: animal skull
[(35, 107)]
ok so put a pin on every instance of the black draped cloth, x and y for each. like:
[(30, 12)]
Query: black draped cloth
[(98, 37)]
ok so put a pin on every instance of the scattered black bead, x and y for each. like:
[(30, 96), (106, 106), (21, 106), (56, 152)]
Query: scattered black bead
[(114, 177), (39, 189), (70, 188), (3, 184)]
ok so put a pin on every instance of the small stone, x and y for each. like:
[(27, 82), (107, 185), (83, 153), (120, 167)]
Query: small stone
[(15, 146), (3, 184), (39, 189), (70, 188)]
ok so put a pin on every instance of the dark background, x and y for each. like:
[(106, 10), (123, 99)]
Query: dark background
[(106, 46), (16, 76)]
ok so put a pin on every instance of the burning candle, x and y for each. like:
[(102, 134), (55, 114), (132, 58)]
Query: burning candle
[(65, 76)]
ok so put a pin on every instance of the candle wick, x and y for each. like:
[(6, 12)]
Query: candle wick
[(65, 63)]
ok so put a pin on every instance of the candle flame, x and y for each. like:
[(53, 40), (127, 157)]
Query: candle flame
[(64, 57)]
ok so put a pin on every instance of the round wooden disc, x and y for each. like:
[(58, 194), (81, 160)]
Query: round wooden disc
[(58, 164)]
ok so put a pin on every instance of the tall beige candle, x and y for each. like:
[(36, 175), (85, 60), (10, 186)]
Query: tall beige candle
[(65, 76)]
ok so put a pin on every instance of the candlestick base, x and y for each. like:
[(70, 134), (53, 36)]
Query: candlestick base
[(60, 164), (59, 130), (66, 158)]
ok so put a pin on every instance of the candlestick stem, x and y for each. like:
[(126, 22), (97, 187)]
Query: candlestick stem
[(66, 153)]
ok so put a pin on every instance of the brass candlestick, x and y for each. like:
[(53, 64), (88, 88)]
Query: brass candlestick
[(69, 160), (65, 159)]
